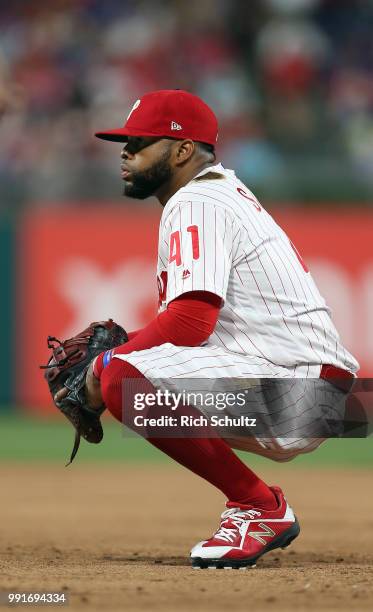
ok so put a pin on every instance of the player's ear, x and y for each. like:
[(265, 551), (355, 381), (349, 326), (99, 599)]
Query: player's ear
[(184, 151)]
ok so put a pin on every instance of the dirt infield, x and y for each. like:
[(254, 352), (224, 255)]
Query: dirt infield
[(117, 538)]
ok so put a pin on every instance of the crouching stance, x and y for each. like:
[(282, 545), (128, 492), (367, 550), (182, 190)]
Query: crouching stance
[(236, 302)]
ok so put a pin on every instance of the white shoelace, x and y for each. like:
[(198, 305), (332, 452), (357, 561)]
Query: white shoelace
[(236, 518)]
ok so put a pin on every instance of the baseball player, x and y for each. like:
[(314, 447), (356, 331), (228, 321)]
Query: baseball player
[(236, 301)]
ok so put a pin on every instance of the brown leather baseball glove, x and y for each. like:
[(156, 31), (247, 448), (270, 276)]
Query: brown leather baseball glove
[(67, 367)]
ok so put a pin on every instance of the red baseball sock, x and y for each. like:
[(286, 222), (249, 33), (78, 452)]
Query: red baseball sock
[(210, 458)]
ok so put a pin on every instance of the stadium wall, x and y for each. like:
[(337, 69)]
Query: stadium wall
[(76, 265)]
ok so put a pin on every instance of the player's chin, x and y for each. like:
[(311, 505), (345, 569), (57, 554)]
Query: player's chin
[(131, 191)]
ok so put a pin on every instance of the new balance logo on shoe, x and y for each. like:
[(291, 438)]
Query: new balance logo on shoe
[(175, 126), (260, 535)]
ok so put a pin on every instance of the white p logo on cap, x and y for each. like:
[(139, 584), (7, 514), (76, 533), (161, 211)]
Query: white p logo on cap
[(136, 105)]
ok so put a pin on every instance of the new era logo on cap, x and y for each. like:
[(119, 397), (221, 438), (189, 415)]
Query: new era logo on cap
[(153, 115)]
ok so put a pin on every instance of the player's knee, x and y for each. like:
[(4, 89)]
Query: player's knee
[(293, 449)]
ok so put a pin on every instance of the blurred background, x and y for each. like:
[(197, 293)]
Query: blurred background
[(291, 82)]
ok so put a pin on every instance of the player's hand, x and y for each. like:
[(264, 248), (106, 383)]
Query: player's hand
[(60, 394), (92, 390)]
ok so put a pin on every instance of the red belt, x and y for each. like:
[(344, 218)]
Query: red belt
[(343, 379)]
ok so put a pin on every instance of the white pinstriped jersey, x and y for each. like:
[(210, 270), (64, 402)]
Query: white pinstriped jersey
[(215, 236)]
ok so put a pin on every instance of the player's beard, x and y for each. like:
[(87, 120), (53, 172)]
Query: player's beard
[(146, 183)]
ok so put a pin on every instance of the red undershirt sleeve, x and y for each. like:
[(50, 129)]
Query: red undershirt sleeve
[(131, 335), (188, 321)]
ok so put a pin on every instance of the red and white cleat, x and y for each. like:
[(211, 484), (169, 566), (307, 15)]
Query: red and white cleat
[(245, 534)]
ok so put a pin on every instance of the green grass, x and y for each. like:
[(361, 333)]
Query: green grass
[(34, 439)]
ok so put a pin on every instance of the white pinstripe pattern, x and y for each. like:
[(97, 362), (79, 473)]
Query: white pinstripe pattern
[(290, 417), (273, 322), (272, 307), (169, 361)]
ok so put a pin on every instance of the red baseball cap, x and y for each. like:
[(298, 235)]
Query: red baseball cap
[(171, 113)]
